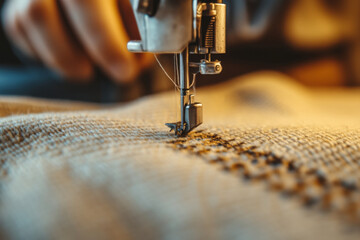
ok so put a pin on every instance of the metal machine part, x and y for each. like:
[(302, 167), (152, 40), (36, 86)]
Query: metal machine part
[(184, 28)]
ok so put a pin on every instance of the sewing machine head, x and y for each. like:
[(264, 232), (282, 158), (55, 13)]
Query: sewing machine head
[(183, 27)]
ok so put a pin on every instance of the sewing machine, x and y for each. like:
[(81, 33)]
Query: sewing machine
[(184, 28)]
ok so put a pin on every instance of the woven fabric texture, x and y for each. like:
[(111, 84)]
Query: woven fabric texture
[(273, 160)]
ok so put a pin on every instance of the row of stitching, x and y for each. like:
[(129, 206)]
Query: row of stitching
[(314, 186)]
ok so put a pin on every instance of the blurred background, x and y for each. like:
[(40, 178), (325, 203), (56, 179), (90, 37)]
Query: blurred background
[(317, 42)]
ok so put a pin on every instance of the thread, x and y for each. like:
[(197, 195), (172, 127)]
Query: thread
[(167, 75)]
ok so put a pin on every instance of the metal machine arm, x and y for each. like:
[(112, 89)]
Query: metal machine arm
[(184, 28)]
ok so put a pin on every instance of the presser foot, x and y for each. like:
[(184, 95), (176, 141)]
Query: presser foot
[(180, 131), (192, 118)]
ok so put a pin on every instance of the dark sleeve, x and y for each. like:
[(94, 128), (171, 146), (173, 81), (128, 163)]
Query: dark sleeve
[(7, 56)]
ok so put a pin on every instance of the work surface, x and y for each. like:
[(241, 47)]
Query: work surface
[(273, 160)]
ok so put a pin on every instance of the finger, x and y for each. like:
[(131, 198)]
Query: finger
[(15, 31), (53, 45), (100, 28)]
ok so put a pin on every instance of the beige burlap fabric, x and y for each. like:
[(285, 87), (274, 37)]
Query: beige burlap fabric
[(273, 160)]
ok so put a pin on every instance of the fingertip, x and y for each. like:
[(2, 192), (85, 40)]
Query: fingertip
[(79, 73), (84, 73), (124, 72)]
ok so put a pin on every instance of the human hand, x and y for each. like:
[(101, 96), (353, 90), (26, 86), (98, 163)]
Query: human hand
[(95, 32)]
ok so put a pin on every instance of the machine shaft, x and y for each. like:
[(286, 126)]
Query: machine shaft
[(191, 112), (184, 82)]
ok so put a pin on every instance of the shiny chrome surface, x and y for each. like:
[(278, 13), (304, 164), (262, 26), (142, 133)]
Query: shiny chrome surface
[(184, 28)]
